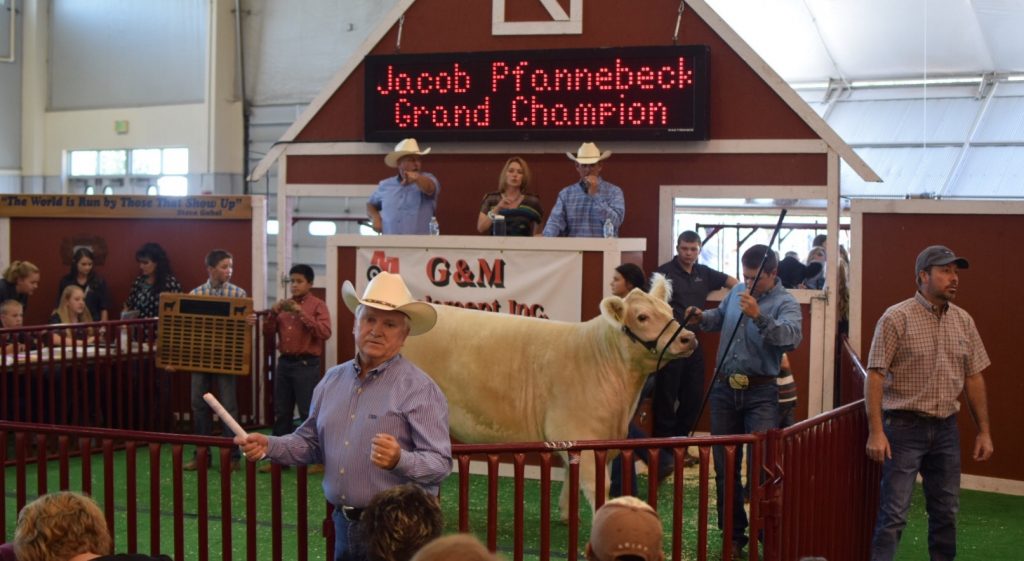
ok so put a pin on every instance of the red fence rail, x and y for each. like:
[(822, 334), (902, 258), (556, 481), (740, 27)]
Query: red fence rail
[(105, 375)]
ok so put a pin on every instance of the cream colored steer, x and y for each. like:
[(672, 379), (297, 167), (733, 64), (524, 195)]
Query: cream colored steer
[(518, 379)]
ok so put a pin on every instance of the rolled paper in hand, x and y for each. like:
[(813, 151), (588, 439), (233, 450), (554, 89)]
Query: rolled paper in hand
[(225, 417)]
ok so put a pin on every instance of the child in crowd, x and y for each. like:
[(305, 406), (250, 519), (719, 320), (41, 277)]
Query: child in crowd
[(83, 274), (219, 266), (302, 325), (72, 309)]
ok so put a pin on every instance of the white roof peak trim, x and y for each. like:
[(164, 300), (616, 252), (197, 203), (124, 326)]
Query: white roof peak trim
[(788, 94)]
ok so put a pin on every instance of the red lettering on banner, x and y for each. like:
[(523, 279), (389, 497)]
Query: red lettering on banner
[(492, 306), (521, 309), (492, 275), (438, 271), (488, 275)]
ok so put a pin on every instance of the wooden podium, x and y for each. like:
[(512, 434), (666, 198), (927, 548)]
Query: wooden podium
[(204, 334)]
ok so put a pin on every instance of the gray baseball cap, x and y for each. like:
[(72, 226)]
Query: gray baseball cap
[(938, 255)]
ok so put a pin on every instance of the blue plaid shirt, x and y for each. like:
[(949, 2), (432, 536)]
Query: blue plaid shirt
[(227, 289), (580, 215)]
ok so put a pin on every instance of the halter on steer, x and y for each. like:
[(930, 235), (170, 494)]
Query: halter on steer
[(652, 345)]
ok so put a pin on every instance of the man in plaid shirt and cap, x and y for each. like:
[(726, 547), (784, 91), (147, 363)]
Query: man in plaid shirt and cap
[(925, 351)]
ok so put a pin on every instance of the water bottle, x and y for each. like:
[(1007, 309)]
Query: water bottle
[(609, 228), (498, 226), (435, 228)]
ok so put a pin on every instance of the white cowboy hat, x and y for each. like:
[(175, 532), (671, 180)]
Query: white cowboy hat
[(387, 291), (404, 148), (588, 153)]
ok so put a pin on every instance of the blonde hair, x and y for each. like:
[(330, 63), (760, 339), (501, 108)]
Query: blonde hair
[(6, 305), (59, 526), (64, 313), (526, 174), (19, 270)]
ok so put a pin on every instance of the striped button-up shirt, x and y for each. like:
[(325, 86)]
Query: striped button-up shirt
[(926, 356), (577, 214), (227, 289), (395, 398)]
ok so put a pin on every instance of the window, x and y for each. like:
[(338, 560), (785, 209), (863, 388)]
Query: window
[(83, 162), (322, 228), (153, 171), (146, 161), (172, 186), (272, 227)]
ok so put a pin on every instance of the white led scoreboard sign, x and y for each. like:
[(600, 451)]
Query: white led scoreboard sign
[(639, 93)]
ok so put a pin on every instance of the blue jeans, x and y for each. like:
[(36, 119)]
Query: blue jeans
[(347, 542), (755, 409), (930, 446), (294, 381), (202, 415)]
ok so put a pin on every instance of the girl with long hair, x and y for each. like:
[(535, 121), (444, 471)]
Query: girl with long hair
[(72, 310), (155, 278), (83, 274)]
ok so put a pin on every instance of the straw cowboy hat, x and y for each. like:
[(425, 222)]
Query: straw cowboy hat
[(406, 147), (388, 292), (588, 153)]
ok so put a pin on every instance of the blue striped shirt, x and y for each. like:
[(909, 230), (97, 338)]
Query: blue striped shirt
[(227, 289), (580, 215), (395, 398), (758, 347)]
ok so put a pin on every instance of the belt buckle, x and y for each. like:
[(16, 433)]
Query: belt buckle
[(739, 381), (350, 513)]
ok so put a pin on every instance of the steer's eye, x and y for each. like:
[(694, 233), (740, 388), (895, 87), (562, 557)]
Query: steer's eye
[(641, 317)]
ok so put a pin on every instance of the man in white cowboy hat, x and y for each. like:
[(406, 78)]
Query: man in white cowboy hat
[(583, 208), (404, 203), (377, 420)]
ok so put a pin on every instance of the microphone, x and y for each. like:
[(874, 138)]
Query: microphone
[(584, 186)]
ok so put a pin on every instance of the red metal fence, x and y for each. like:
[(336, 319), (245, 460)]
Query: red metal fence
[(105, 375), (817, 494)]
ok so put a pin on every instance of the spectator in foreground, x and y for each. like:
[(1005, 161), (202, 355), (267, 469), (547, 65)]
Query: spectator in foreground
[(455, 547), (624, 529), (66, 526), (399, 521)]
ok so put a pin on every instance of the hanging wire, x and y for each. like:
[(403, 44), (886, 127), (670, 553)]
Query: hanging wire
[(679, 21), (398, 39)]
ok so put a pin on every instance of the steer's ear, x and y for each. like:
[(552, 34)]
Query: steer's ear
[(661, 288), (613, 309)]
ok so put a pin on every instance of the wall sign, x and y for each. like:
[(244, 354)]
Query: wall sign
[(203, 207), (520, 282), (639, 93)]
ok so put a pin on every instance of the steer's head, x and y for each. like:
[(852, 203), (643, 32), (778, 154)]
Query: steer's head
[(646, 322)]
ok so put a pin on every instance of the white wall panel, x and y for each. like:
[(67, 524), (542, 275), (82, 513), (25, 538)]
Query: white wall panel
[(126, 53)]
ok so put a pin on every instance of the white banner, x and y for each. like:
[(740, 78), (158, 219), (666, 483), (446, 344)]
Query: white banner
[(544, 284)]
